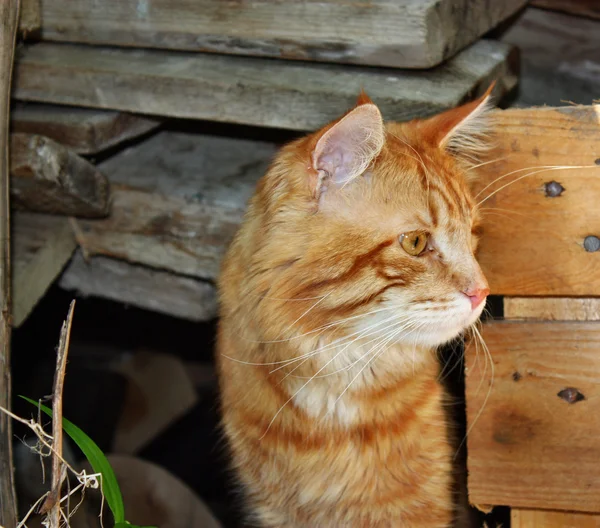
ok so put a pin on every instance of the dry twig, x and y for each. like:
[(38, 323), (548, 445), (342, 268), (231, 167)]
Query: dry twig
[(52, 502)]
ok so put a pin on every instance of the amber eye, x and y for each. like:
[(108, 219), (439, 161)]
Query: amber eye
[(414, 243)]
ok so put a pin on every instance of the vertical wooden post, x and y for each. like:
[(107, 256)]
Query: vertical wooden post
[(9, 13)]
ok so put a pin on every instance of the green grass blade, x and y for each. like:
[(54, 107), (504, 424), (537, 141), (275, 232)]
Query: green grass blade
[(99, 462)]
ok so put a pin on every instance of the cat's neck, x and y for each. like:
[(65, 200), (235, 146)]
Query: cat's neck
[(331, 386)]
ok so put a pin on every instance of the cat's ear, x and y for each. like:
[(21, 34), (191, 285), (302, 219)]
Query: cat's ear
[(346, 149), (463, 131)]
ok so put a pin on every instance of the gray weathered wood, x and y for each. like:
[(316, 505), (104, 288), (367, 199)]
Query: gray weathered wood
[(30, 18), (559, 58), (159, 291), (588, 8), (83, 130), (248, 90), (177, 200), (397, 33), (47, 177), (9, 15), (42, 245)]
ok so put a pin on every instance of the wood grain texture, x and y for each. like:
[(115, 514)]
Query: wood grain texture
[(533, 244), (82, 130), (30, 18), (401, 34), (586, 8), (154, 290), (552, 308), (254, 91), (178, 198), (46, 177), (527, 446), (9, 17), (522, 518), (559, 59), (42, 246)]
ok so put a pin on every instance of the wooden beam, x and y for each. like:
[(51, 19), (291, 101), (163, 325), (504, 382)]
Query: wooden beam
[(177, 200), (533, 413), (253, 91), (523, 518), (46, 177), (42, 246), (559, 58), (586, 8), (30, 18), (533, 243), (401, 34), (82, 130), (143, 287), (9, 16), (552, 308)]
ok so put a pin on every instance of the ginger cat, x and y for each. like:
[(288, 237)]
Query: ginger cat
[(355, 261)]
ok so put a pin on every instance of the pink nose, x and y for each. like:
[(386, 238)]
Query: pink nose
[(476, 295)]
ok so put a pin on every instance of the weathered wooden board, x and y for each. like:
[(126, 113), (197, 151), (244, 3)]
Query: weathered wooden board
[(552, 519), (587, 8), (401, 34), (159, 291), (246, 90), (83, 130), (47, 177), (42, 246), (559, 58), (552, 308), (533, 244), (30, 18), (528, 446), (177, 199)]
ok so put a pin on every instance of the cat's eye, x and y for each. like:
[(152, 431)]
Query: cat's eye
[(415, 242)]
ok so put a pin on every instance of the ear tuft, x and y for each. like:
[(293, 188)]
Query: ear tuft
[(470, 135), (363, 98), (463, 131), (347, 148)]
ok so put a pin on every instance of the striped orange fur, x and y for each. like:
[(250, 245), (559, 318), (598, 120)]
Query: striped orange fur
[(329, 324)]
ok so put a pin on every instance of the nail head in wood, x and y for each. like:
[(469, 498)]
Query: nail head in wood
[(591, 243), (571, 395), (553, 189)]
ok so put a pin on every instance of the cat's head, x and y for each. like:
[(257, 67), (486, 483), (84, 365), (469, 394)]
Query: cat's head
[(369, 227)]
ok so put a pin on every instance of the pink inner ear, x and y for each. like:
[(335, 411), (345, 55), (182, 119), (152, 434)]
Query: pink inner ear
[(346, 149)]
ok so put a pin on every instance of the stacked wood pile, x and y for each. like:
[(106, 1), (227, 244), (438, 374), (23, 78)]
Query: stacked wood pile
[(116, 202)]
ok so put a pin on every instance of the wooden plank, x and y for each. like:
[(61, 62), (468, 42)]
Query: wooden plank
[(30, 18), (83, 130), (252, 91), (178, 198), (528, 446), (548, 308), (146, 288), (586, 8), (42, 246), (532, 243), (552, 308), (559, 58), (46, 177), (401, 34), (520, 518)]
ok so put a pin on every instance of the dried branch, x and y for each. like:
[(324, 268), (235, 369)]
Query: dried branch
[(52, 502), (9, 14)]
